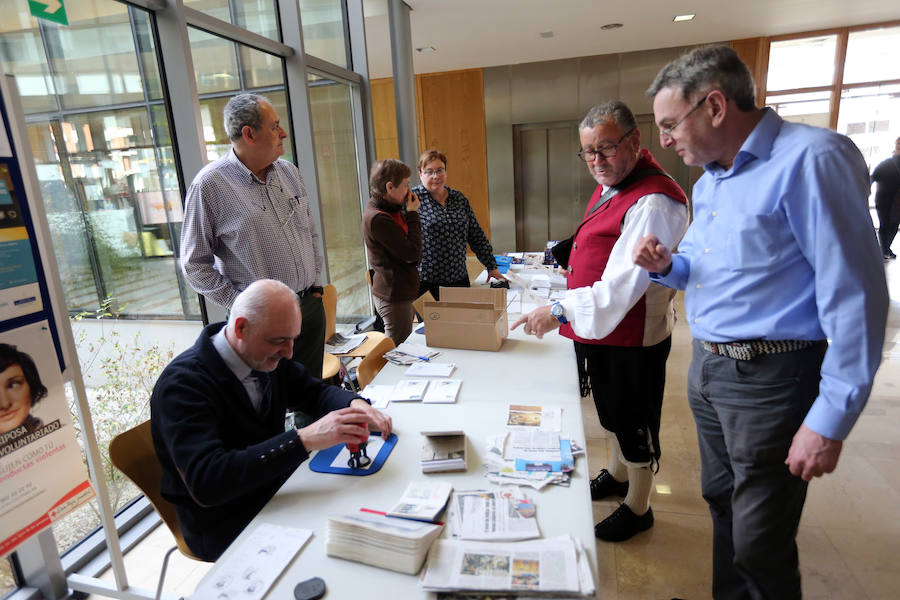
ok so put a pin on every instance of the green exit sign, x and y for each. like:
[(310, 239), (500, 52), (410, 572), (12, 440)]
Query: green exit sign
[(49, 10)]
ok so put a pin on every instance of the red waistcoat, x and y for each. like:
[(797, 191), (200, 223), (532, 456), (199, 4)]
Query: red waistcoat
[(594, 241)]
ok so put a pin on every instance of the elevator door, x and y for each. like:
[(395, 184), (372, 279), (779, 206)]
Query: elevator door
[(553, 186)]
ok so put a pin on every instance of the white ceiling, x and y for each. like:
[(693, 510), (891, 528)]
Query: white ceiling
[(484, 33)]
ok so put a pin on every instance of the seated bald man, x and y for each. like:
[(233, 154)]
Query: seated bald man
[(218, 417)]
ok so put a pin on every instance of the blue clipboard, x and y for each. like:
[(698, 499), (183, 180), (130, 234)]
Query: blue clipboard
[(321, 462)]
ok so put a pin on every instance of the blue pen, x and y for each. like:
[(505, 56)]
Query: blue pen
[(425, 358)]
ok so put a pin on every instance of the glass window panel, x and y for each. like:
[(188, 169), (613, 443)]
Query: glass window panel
[(22, 54), (323, 30), (816, 54), (811, 108), (147, 50), (337, 167), (872, 55), (64, 215), (870, 116), (258, 16), (215, 64), (260, 69), (94, 59)]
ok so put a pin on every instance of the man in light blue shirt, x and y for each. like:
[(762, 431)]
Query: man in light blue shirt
[(786, 299)]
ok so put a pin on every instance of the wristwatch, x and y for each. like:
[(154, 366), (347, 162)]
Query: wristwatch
[(557, 310)]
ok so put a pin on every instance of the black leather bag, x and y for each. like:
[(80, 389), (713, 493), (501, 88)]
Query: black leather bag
[(562, 250)]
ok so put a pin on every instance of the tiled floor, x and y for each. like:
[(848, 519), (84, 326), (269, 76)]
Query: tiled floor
[(849, 537)]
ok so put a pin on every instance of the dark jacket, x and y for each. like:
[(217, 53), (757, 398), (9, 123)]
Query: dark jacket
[(393, 253), (221, 459)]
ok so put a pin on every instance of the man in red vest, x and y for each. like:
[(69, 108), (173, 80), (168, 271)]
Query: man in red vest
[(621, 324)]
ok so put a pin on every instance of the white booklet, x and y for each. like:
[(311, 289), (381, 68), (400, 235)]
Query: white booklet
[(442, 391), (409, 390), (430, 369), (379, 394), (422, 500)]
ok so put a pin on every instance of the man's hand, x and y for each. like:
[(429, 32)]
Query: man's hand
[(380, 421), (812, 455), (496, 274), (412, 202), (344, 426), (538, 322), (650, 254)]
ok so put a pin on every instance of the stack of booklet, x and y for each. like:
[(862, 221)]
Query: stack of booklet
[(380, 540), (443, 451)]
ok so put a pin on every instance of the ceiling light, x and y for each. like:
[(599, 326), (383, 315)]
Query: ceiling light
[(425, 49), (609, 26), (680, 18), (546, 34)]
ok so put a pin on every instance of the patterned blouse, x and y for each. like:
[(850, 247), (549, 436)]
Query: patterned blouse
[(445, 232)]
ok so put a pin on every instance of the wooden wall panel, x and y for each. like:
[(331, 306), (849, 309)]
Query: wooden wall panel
[(384, 118), (755, 53), (450, 117), (452, 120)]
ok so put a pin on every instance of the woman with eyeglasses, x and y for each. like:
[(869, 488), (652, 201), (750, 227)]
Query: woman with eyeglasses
[(448, 224)]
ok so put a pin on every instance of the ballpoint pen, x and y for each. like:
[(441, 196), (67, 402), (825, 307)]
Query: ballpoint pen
[(425, 358)]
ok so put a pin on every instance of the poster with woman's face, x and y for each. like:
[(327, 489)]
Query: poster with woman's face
[(42, 476)]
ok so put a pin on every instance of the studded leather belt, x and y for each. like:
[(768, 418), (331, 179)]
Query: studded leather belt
[(750, 349)]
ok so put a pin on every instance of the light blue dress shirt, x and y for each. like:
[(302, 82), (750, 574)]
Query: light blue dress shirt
[(782, 248)]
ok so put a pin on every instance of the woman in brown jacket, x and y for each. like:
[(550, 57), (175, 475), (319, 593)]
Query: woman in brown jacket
[(394, 243)]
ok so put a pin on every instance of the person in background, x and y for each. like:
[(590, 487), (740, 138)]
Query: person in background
[(217, 416), (786, 298), (448, 224), (620, 323), (886, 176), (393, 237), (247, 217), (20, 390)]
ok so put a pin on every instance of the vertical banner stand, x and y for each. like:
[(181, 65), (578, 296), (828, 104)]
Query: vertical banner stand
[(42, 546)]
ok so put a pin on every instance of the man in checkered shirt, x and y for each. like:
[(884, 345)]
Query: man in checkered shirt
[(247, 217)]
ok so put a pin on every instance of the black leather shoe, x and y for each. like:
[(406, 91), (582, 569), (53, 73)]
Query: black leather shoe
[(623, 524), (603, 486)]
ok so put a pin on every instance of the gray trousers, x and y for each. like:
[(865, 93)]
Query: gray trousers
[(747, 413), (397, 316)]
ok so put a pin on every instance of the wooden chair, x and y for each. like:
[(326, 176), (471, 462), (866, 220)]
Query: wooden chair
[(331, 364), (132, 453), (373, 362)]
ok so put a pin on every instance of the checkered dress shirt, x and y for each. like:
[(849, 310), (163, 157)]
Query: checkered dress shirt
[(238, 229)]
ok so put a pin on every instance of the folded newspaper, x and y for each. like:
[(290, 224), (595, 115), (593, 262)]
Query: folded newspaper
[(556, 567), (502, 514)]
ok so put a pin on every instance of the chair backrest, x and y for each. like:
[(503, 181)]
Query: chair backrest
[(329, 301), (373, 362), (132, 453)]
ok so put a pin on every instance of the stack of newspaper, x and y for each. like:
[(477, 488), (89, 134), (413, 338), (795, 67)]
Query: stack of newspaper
[(407, 354), (380, 540), (557, 567), (503, 514)]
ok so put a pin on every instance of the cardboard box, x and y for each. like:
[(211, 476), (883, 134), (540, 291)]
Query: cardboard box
[(467, 318)]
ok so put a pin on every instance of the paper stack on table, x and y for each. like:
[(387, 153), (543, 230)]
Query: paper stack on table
[(442, 391), (338, 344), (504, 514), (409, 390), (380, 541), (407, 354), (430, 369), (555, 566)]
